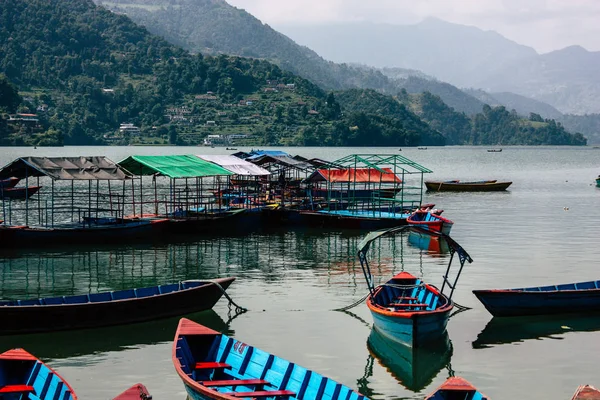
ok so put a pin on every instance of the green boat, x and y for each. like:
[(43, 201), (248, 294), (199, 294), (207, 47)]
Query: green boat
[(598, 181)]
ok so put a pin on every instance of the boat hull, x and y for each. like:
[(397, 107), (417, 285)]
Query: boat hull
[(467, 187), (215, 366), (417, 330), (25, 236), (512, 303), (45, 318), (431, 222), (18, 193), (345, 220)]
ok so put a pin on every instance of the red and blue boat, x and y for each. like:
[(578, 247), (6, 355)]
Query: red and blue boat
[(215, 366), (23, 376), (571, 298), (430, 220), (455, 388), (405, 308), (136, 392)]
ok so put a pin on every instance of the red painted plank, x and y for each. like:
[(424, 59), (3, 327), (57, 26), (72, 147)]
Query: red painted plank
[(17, 389), (264, 393), (236, 382), (187, 327), (211, 365), (17, 354)]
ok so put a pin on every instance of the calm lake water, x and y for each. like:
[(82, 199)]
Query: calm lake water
[(544, 230)]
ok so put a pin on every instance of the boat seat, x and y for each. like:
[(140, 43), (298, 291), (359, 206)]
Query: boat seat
[(408, 305), (263, 393), (406, 298), (17, 389), (211, 365), (236, 382)]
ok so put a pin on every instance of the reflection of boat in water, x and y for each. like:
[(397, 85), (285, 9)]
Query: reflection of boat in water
[(67, 344), (433, 244), (414, 368), (519, 329)]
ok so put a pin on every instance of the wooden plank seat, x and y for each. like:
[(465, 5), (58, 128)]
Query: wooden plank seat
[(17, 389), (263, 393), (236, 382), (211, 365), (407, 298), (408, 305)]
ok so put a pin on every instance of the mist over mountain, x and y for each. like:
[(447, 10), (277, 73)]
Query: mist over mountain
[(464, 56)]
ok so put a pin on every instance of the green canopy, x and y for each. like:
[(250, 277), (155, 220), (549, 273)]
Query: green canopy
[(185, 166)]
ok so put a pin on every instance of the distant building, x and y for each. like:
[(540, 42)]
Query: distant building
[(129, 129)]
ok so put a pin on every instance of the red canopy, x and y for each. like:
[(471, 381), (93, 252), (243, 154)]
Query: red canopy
[(361, 175)]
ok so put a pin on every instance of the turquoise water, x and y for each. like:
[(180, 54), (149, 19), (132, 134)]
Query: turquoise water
[(544, 230)]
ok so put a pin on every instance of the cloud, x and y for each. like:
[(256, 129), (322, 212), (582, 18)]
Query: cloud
[(542, 24)]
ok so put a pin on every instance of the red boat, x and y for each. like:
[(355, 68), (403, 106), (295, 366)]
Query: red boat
[(586, 392), (8, 182), (136, 392), (18, 192), (457, 388), (430, 220)]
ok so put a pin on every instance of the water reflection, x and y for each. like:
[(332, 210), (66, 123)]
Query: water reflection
[(519, 329), (61, 345), (414, 368), (432, 244), (59, 272)]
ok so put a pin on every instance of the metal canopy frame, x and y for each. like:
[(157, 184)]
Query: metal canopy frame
[(455, 248)]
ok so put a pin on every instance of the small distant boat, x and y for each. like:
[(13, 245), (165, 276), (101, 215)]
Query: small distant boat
[(230, 148), (406, 309), (430, 220), (494, 150), (586, 392), (461, 186), (9, 182), (110, 308), (23, 376), (215, 366), (571, 298), (136, 392), (422, 148), (598, 181), (15, 193), (457, 388)]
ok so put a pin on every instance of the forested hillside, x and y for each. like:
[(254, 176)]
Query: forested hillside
[(491, 126), (85, 70)]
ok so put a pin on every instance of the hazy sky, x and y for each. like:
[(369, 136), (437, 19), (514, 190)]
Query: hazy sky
[(545, 25)]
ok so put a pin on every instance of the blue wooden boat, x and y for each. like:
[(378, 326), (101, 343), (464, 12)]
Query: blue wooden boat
[(571, 298), (414, 368), (598, 181), (457, 388), (215, 366), (109, 308), (430, 220), (405, 308), (23, 376)]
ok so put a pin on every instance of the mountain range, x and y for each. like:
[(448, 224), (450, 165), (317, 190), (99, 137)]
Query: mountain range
[(567, 79)]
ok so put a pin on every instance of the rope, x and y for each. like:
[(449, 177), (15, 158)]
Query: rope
[(231, 302), (402, 286), (353, 304)]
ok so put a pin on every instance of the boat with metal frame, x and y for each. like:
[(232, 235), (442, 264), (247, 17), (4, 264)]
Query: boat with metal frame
[(405, 308)]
